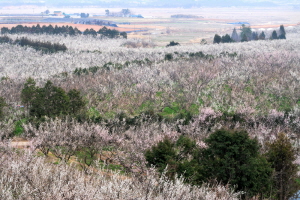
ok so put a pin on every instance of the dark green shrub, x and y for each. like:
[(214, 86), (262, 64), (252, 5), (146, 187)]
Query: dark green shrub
[(171, 154), (282, 32), (230, 157), (161, 155), (169, 56), (76, 101), (274, 35), (50, 100), (217, 39), (226, 39), (233, 157), (2, 105), (281, 155), (172, 43)]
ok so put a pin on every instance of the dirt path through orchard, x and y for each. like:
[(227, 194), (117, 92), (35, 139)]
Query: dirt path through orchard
[(20, 143)]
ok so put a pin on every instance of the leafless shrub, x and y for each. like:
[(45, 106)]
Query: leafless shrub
[(138, 44), (65, 138), (6, 129)]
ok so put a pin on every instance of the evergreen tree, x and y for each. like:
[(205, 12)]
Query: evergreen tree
[(235, 36), (246, 33), (167, 153), (274, 35), (13, 30), (254, 36), (244, 38), (281, 32), (56, 30), (19, 29), (113, 33), (77, 31), (282, 155), (50, 29), (50, 100), (86, 32), (226, 39), (233, 157), (93, 32), (229, 157), (28, 93), (44, 29), (124, 35), (76, 102), (103, 31), (161, 155), (5, 30), (262, 36), (217, 39), (71, 31)]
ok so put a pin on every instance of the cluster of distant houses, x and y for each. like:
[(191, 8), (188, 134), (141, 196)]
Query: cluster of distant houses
[(62, 14), (122, 13)]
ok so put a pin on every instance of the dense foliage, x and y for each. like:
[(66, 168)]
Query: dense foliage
[(63, 30), (45, 47), (68, 30), (246, 34), (50, 100), (227, 157), (172, 43), (282, 155)]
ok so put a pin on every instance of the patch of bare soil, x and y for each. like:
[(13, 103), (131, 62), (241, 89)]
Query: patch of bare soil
[(20, 143)]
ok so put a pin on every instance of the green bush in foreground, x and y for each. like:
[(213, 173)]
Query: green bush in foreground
[(233, 157), (228, 156)]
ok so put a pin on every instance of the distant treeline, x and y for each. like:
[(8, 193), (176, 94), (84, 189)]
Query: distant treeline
[(63, 30), (185, 16), (45, 47), (247, 35)]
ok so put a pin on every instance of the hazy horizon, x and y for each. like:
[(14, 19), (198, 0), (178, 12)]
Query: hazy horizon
[(153, 3)]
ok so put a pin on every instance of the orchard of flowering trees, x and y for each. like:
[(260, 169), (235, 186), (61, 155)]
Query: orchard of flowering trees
[(103, 121)]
